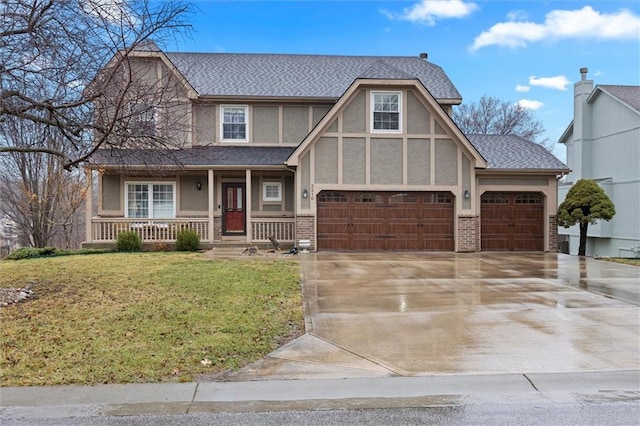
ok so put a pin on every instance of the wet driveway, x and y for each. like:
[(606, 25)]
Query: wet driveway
[(382, 314)]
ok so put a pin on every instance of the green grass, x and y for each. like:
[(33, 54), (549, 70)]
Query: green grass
[(143, 317), (625, 260)]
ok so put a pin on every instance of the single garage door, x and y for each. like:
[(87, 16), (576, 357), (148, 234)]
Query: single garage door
[(385, 220), (512, 221)]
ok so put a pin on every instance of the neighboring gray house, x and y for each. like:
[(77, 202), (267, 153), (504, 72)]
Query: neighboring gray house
[(349, 152), (603, 143)]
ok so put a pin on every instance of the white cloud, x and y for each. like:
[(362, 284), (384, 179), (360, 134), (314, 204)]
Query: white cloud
[(517, 15), (522, 88), (428, 11), (562, 24), (559, 82), (530, 104)]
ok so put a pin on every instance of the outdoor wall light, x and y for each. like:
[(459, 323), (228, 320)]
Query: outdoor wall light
[(467, 195), (305, 193), (198, 185)]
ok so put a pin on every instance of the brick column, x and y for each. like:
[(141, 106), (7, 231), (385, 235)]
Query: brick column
[(553, 234), (305, 229), (468, 233)]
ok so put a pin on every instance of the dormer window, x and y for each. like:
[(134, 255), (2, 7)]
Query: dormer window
[(233, 121), (386, 112)]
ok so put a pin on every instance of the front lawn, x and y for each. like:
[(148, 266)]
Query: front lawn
[(143, 317), (625, 260)]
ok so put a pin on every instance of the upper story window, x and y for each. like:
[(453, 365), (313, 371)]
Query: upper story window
[(386, 111), (143, 118), (234, 123)]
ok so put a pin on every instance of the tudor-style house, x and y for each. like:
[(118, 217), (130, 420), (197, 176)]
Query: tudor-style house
[(348, 152)]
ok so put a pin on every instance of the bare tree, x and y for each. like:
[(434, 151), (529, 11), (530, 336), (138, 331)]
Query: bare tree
[(492, 116), (37, 193), (68, 66)]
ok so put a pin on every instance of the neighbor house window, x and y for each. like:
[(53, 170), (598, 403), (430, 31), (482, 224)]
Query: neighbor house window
[(385, 108), (150, 200), (272, 191), (234, 123)]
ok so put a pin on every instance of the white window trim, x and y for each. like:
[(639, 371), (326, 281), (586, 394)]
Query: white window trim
[(246, 123), (371, 115), (134, 182), (264, 192)]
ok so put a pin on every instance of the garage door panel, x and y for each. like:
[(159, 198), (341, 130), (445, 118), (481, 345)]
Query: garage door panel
[(388, 221), (512, 221)]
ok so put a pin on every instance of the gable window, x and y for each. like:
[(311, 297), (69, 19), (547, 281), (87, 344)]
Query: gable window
[(386, 111), (271, 191), (234, 123), (152, 200), (143, 118)]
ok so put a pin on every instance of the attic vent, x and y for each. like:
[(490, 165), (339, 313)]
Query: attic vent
[(423, 55)]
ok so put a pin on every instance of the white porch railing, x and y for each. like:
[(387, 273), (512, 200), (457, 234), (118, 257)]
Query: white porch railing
[(282, 229), (107, 229)]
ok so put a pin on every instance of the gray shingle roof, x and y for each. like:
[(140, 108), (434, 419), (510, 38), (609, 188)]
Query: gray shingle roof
[(280, 75), (514, 152), (219, 155), (627, 94)]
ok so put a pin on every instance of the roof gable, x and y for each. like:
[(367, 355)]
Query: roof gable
[(435, 108), (627, 95), (309, 76)]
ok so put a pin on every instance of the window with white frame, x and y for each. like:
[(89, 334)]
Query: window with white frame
[(143, 118), (386, 111), (233, 121), (271, 191), (150, 200)]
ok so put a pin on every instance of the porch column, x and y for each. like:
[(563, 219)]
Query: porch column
[(248, 207), (210, 184), (88, 206)]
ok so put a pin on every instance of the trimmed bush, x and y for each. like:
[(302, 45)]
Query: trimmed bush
[(31, 252), (129, 241), (187, 240)]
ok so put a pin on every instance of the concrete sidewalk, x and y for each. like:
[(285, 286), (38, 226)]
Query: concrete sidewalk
[(26, 403)]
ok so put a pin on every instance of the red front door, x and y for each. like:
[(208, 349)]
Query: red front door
[(233, 209)]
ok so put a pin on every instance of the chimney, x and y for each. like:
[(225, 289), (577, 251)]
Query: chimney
[(583, 73), (424, 55)]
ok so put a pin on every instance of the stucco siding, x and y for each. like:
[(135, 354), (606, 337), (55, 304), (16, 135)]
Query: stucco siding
[(318, 113), (265, 124), (111, 192), (353, 161), (466, 181), (354, 117), (419, 161), (190, 198), (446, 162), (386, 161), (305, 178), (295, 123), (289, 193), (418, 117), (326, 160), (205, 128)]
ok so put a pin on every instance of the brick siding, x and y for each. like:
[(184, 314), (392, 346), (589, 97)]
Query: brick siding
[(306, 229), (553, 234), (468, 233)]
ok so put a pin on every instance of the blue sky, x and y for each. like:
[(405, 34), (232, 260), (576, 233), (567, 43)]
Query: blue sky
[(520, 51)]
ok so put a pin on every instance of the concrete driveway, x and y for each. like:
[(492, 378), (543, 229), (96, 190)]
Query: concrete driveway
[(413, 314)]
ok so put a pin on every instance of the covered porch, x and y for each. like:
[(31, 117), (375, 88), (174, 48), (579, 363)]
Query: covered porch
[(224, 204)]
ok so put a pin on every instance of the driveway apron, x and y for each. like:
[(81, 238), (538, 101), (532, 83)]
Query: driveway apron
[(412, 314)]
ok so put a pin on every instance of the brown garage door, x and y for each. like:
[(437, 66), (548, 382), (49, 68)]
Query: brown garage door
[(512, 221), (385, 221)]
